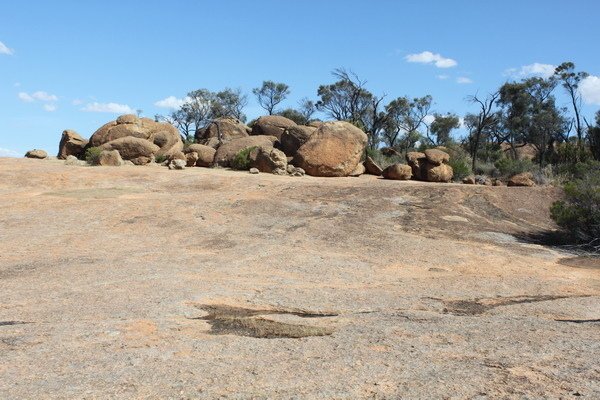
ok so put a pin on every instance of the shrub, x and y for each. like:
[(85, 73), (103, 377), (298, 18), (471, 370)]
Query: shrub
[(241, 161), (509, 167), (579, 212), (159, 159), (487, 169), (92, 155), (461, 167)]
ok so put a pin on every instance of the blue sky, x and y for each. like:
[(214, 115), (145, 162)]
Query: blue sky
[(76, 64)]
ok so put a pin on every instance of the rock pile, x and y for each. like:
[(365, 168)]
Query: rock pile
[(431, 165), (139, 140), (36, 153)]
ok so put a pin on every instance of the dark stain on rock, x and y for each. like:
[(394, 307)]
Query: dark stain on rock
[(227, 320), (480, 306)]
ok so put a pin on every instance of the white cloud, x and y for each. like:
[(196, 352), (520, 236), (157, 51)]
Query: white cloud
[(108, 108), (590, 90), (39, 95), (463, 80), (442, 77), (50, 107), (25, 97), (5, 50), (77, 102), (428, 57), (535, 69), (9, 153), (171, 102), (429, 119)]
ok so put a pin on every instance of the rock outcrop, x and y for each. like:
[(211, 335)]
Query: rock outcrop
[(294, 137), (268, 160), (523, 179), (36, 153), (221, 130), (371, 167), (430, 166), (272, 125), (161, 138), (71, 144), (205, 154), (227, 151), (334, 149), (110, 158), (399, 172)]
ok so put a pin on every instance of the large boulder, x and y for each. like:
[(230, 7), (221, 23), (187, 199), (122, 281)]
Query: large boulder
[(110, 158), (417, 162), (439, 173), (205, 154), (36, 153), (437, 157), (400, 172), (335, 149), (272, 125), (294, 137), (523, 179), (137, 150), (71, 144), (227, 151), (221, 130), (269, 160), (371, 167), (164, 136)]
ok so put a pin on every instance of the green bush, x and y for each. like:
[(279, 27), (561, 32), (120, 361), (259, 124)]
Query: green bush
[(461, 167), (241, 161), (487, 169), (92, 155), (509, 167), (159, 159), (579, 212)]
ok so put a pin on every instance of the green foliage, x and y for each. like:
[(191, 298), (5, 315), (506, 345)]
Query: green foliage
[(241, 161), (92, 155), (270, 94), (461, 168), (570, 153), (159, 159), (509, 167), (579, 212), (294, 115)]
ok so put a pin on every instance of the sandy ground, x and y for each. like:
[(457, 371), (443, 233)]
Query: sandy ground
[(140, 282)]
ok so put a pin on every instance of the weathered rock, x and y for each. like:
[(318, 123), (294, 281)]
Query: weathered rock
[(165, 136), (334, 149), (71, 144), (521, 151), (139, 151), (206, 154), (178, 156), (523, 179), (110, 158), (437, 157), (72, 160), (358, 171), (254, 171), (272, 125), (177, 164), (389, 152), (36, 153), (127, 162), (227, 151), (221, 130), (371, 167), (294, 137), (269, 160), (315, 124), (295, 171), (401, 172), (191, 158), (497, 182), (469, 180), (418, 162), (439, 173), (483, 180)]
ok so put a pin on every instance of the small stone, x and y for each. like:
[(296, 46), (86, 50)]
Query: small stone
[(177, 164), (254, 171)]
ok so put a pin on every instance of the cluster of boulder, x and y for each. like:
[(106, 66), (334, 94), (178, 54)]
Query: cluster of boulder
[(272, 144), (429, 166)]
